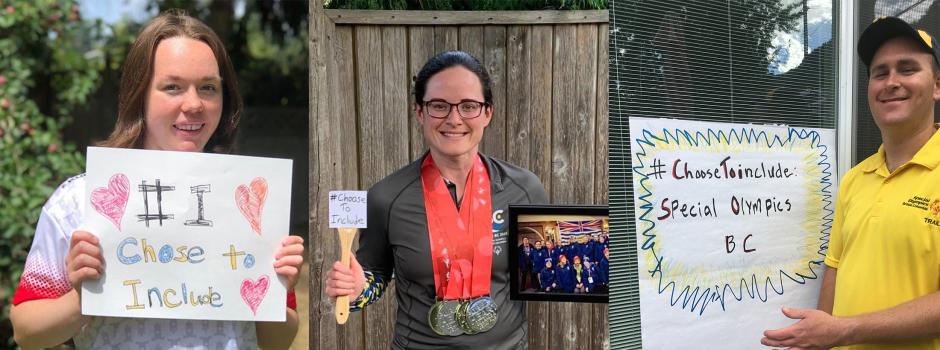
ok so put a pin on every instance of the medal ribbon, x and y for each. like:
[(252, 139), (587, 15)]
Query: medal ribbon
[(461, 241)]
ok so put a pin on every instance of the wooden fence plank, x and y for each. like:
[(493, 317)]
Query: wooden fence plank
[(420, 49), (470, 39), (344, 84), (519, 146), (368, 41), (540, 107), (321, 172), (395, 93), (585, 97), (573, 151), (494, 45), (518, 96), (563, 181), (373, 154), (601, 330), (541, 314), (465, 17), (445, 38), (322, 175), (345, 103), (395, 142)]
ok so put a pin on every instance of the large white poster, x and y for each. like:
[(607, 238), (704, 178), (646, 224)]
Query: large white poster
[(187, 235), (732, 223)]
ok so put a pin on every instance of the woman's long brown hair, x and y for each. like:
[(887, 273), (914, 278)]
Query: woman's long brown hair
[(138, 72)]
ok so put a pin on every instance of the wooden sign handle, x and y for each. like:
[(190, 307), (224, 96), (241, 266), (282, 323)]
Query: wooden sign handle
[(346, 236)]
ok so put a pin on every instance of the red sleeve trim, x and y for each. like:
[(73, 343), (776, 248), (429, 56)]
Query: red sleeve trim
[(25, 294), (292, 300)]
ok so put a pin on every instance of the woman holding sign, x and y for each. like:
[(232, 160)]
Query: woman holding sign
[(437, 224), (178, 92)]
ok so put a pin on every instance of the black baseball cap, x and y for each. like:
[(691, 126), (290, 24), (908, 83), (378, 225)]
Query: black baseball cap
[(887, 28)]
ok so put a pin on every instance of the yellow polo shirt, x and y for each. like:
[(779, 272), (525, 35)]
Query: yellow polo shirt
[(885, 240)]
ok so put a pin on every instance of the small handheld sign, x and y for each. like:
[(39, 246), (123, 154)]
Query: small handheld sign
[(347, 215)]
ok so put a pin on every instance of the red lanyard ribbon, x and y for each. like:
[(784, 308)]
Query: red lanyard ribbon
[(461, 242)]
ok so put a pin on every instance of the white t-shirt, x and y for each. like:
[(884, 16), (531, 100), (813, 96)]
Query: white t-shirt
[(44, 277)]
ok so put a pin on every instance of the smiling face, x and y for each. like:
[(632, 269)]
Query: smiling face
[(184, 100), (453, 137), (902, 86)]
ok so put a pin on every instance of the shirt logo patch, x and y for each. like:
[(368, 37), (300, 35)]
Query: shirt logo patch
[(499, 221), (931, 208), (500, 236)]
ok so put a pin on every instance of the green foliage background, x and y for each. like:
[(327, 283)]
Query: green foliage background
[(467, 5), (45, 73)]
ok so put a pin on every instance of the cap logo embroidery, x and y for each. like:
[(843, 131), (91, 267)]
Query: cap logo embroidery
[(926, 37)]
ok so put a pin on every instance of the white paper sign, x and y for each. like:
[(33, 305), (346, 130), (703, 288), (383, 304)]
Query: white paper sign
[(732, 223), (348, 209), (187, 235)]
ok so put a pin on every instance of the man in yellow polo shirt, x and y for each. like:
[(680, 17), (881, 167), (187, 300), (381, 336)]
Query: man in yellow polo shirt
[(880, 288)]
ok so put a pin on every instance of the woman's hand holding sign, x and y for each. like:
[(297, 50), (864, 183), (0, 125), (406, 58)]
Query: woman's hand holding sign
[(344, 280), (84, 260), (289, 258)]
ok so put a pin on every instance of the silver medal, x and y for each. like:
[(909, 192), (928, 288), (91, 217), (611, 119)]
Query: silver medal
[(462, 319), (481, 314), (442, 320)]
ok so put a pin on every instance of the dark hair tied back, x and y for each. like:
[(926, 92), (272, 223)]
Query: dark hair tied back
[(449, 59)]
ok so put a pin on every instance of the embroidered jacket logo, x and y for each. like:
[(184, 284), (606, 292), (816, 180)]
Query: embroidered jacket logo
[(500, 236), (498, 221)]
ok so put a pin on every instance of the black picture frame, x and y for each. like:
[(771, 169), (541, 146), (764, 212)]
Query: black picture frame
[(522, 220)]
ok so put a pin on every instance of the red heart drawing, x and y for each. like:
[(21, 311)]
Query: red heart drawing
[(253, 292), (250, 200), (111, 201)]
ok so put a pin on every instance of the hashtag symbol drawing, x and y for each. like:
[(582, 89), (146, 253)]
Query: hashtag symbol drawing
[(146, 189), (332, 197), (657, 169)]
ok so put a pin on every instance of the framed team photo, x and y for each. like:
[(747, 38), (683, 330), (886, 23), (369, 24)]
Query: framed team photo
[(560, 253)]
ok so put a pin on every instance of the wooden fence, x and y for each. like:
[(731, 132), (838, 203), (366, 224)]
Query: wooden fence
[(549, 72)]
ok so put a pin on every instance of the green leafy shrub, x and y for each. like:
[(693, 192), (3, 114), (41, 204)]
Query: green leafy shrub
[(46, 71)]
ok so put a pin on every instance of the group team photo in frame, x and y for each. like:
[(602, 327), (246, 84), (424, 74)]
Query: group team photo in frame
[(560, 253)]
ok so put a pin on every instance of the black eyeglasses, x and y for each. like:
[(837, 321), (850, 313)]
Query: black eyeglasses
[(467, 109)]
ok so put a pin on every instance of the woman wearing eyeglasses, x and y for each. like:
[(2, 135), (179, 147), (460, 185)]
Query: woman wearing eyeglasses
[(438, 225)]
